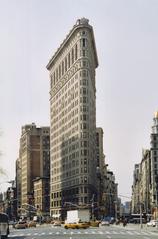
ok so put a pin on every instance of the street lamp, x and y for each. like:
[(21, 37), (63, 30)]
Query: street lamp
[(140, 204), (92, 206)]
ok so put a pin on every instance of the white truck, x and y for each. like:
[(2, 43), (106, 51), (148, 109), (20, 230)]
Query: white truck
[(75, 216)]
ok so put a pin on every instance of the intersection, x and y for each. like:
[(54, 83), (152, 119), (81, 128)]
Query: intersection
[(108, 232)]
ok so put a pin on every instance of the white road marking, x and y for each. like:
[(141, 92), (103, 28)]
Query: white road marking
[(130, 233), (113, 232), (152, 233), (109, 237), (122, 233), (136, 233), (145, 234)]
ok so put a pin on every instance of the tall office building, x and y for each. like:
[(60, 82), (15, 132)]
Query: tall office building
[(73, 120), (99, 149), (100, 164), (34, 160), (18, 182), (154, 161)]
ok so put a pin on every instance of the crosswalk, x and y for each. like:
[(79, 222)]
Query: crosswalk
[(15, 234)]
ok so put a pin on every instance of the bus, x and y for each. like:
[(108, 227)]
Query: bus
[(4, 225)]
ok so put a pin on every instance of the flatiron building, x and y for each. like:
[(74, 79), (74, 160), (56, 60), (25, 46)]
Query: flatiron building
[(73, 121)]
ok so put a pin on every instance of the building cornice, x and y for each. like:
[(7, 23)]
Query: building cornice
[(81, 23)]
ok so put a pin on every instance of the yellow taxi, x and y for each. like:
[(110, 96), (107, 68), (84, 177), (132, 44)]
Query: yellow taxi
[(32, 224), (21, 225), (78, 225), (94, 223)]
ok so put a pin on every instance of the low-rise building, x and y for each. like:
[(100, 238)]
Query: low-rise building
[(41, 195), (145, 180)]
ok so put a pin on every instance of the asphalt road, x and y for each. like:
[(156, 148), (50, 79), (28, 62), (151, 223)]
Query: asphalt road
[(106, 232)]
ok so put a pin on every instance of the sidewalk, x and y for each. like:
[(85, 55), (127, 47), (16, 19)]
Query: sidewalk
[(137, 227)]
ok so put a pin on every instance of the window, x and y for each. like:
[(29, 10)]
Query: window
[(83, 42), (84, 63), (69, 60), (83, 53), (85, 179), (57, 74), (85, 199), (59, 71), (84, 99), (54, 78), (51, 81), (84, 91), (62, 67), (65, 64), (72, 57), (76, 52), (85, 152)]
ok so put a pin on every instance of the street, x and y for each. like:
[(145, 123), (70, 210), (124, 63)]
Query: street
[(107, 232)]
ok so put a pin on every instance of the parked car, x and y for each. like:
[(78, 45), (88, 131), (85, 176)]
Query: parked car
[(57, 223), (152, 223), (21, 225), (78, 225), (105, 223)]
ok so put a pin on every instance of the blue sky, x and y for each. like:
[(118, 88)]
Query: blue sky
[(126, 35)]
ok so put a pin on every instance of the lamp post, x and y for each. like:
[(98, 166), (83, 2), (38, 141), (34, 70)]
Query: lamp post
[(92, 207), (141, 224), (140, 204)]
